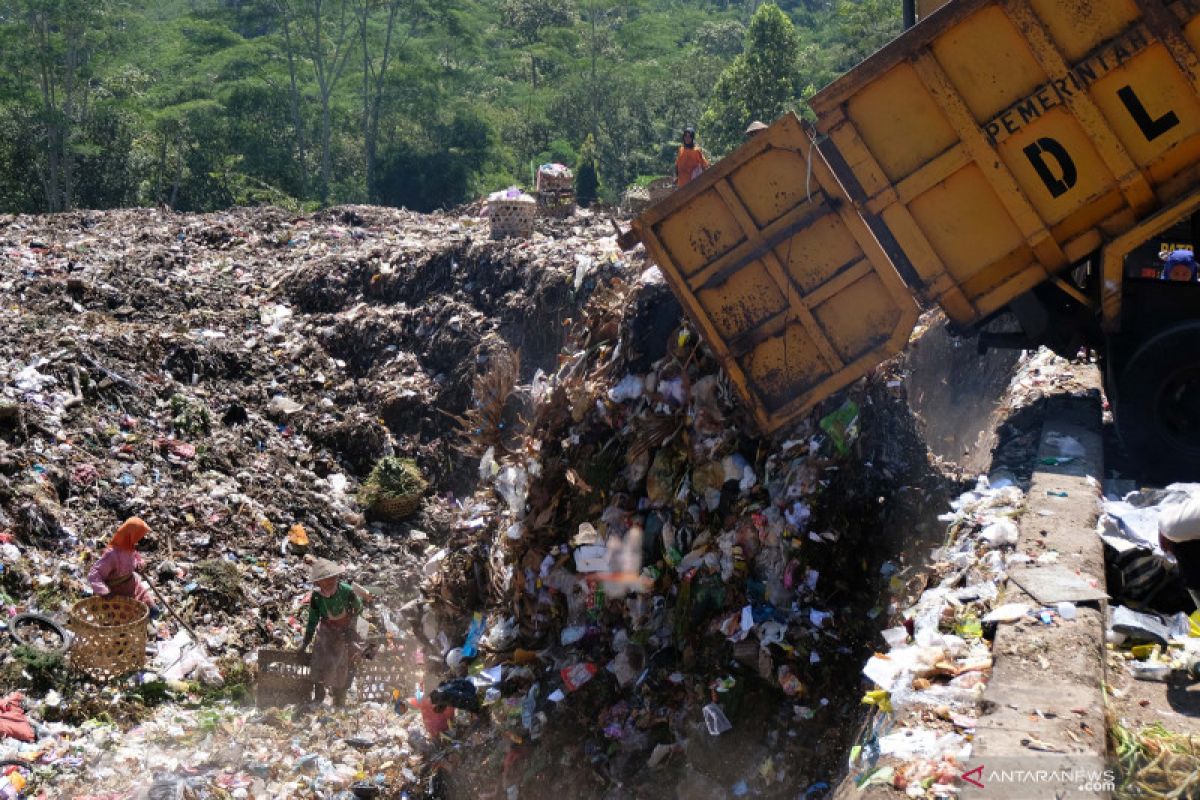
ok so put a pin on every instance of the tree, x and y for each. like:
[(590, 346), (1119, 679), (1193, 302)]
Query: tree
[(587, 175), (527, 20), (761, 83), (722, 38), (49, 46), (374, 73), (321, 30)]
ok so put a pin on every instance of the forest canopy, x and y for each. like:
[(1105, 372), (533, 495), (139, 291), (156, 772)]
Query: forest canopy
[(202, 104)]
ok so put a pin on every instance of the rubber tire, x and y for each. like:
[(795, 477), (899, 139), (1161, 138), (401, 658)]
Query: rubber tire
[(1160, 454), (63, 634)]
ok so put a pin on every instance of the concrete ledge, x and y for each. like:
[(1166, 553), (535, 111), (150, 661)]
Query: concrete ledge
[(1042, 733)]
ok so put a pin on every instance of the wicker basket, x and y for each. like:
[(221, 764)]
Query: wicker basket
[(512, 217), (110, 636), (396, 507), (558, 203), (284, 678), (550, 182), (381, 674)]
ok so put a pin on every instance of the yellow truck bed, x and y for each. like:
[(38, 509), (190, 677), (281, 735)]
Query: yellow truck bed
[(780, 274), (979, 154), (999, 142)]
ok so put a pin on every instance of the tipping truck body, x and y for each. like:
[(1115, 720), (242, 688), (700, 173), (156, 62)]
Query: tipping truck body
[(1029, 157)]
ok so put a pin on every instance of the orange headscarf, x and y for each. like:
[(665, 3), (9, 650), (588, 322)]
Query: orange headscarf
[(129, 534)]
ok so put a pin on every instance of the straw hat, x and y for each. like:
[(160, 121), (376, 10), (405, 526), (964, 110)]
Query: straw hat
[(323, 568), (754, 127)]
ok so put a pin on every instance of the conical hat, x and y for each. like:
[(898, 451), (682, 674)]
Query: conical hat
[(323, 568)]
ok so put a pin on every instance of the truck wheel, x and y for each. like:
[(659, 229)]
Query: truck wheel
[(1158, 405)]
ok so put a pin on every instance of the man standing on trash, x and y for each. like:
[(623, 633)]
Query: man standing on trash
[(332, 613), (691, 161), (115, 572)]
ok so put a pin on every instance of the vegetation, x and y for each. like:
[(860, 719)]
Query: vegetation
[(1154, 762), (200, 104), (393, 477)]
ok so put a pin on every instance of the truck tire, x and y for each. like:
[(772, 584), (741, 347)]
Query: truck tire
[(1158, 405)]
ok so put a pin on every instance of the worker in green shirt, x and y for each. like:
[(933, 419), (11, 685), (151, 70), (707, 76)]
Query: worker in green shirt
[(332, 614)]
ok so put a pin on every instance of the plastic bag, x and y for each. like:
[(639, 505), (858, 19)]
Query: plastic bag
[(842, 427), (458, 693)]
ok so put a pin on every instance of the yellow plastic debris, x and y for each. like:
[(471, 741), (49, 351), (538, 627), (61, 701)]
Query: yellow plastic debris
[(298, 536), (880, 698), (1142, 651)]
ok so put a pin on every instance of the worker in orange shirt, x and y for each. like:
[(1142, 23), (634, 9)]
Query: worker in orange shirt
[(691, 161)]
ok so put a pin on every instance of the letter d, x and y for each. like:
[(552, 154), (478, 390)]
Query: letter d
[(1037, 152)]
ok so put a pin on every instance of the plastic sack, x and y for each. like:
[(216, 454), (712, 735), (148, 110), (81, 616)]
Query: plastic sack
[(1180, 522), (842, 427), (457, 693), (715, 720)]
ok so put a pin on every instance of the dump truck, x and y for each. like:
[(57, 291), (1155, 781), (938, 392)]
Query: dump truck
[(1023, 164)]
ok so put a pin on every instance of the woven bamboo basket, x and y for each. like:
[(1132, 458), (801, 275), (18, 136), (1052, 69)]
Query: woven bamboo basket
[(382, 673), (558, 203), (284, 678), (511, 217), (549, 182), (110, 636), (396, 507)]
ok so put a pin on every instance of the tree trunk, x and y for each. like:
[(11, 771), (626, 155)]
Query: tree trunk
[(68, 172), (326, 160), (368, 156), (297, 118)]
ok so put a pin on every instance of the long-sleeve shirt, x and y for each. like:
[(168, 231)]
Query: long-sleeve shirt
[(320, 607), (113, 573)]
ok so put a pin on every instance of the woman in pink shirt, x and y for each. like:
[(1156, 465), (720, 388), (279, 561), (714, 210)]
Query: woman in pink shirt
[(115, 572)]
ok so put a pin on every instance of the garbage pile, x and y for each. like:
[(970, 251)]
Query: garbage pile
[(622, 585), (652, 587), (226, 751), (928, 684), (1152, 624), (233, 378)]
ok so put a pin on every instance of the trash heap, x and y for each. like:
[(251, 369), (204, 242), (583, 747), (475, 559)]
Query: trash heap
[(1152, 622), (225, 751), (234, 378), (927, 685), (621, 583), (657, 591)]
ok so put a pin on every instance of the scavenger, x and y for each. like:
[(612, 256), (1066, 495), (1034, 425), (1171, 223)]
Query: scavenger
[(691, 161), (115, 572), (332, 614)]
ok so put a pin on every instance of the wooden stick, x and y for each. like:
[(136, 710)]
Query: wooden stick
[(178, 618)]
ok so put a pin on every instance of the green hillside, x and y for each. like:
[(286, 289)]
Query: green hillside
[(418, 103)]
